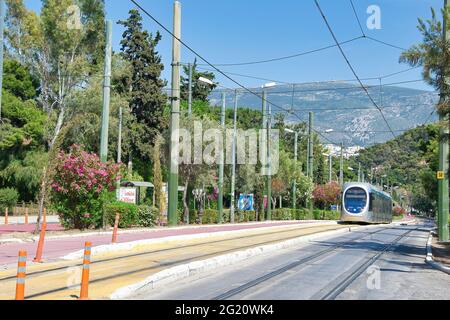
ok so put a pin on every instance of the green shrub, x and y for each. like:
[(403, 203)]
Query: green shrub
[(303, 214), (147, 216), (128, 214), (246, 216), (8, 198), (210, 216)]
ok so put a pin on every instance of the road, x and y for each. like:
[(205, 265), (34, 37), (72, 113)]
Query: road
[(384, 262)]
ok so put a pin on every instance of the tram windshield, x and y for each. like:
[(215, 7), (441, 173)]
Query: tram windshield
[(355, 200)]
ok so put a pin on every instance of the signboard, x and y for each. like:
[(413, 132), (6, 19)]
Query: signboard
[(245, 202), (440, 175), (128, 195)]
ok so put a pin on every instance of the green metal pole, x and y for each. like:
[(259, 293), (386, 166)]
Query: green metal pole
[(307, 157), (106, 94), (264, 126), (190, 89), (341, 170), (269, 175), (294, 187), (233, 155), (175, 116), (221, 164), (359, 172), (443, 184), (330, 164), (2, 27), (311, 154)]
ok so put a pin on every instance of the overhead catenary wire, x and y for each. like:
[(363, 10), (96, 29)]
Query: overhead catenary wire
[(357, 18), (213, 66), (351, 67)]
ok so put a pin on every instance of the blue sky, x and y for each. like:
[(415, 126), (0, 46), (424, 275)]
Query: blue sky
[(238, 31)]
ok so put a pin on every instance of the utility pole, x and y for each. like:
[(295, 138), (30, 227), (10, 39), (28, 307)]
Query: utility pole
[(233, 155), (269, 172), (106, 94), (307, 157), (119, 138), (359, 171), (175, 116), (221, 164), (294, 187), (2, 28), (341, 170), (311, 154), (190, 90), (330, 164), (264, 126), (443, 184)]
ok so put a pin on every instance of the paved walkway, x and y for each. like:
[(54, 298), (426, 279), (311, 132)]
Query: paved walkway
[(57, 248)]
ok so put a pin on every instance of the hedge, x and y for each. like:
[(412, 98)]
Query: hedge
[(8, 198), (128, 214)]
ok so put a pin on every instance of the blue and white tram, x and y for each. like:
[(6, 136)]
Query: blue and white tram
[(362, 202)]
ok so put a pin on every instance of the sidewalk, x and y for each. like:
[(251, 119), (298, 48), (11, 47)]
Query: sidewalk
[(55, 248)]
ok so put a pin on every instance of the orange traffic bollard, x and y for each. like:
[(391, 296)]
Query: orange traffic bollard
[(26, 215), (6, 215), (85, 275), (40, 243), (21, 272), (116, 226)]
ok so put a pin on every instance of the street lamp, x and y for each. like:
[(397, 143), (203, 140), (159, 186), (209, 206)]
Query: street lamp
[(294, 185), (267, 121)]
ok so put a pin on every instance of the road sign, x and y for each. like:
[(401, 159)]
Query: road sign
[(440, 175)]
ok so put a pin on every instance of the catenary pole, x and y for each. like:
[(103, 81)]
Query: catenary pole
[(2, 28), (106, 94), (443, 184), (190, 89), (222, 160), (233, 155), (341, 169), (311, 153), (294, 187), (175, 116)]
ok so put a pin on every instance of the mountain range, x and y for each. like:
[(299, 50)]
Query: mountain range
[(346, 108)]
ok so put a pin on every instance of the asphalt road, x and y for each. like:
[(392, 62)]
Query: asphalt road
[(383, 262)]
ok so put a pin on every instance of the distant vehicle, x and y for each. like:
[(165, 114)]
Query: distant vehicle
[(362, 202)]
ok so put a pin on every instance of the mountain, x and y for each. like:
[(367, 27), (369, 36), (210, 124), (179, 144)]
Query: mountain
[(345, 108)]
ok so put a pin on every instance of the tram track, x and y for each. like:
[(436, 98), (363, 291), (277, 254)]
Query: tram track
[(323, 253), (158, 265)]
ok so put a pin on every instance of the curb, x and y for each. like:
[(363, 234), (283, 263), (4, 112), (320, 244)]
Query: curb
[(176, 273), (126, 246), (102, 233), (429, 259)]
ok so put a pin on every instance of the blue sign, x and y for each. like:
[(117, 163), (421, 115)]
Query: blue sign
[(245, 202)]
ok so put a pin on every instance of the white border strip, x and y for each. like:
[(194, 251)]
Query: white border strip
[(127, 246), (176, 273), (429, 259)]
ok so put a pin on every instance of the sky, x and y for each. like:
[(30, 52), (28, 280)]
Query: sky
[(235, 31)]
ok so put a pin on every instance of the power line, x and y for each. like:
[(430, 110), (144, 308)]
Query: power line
[(213, 66), (385, 43), (285, 57), (357, 18), (351, 67)]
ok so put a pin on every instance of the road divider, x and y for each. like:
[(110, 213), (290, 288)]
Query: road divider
[(196, 268), (21, 273), (40, 247), (84, 291), (429, 258)]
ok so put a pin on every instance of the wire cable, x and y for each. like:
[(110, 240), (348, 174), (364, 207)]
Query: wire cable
[(357, 19), (351, 67)]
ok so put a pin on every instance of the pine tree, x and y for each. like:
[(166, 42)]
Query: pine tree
[(143, 85)]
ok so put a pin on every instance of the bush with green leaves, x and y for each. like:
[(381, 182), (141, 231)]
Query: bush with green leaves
[(8, 198), (81, 186), (147, 216), (128, 213)]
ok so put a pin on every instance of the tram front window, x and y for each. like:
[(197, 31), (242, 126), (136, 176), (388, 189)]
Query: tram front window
[(355, 200)]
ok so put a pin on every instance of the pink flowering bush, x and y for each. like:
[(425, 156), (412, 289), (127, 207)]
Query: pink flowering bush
[(327, 194), (81, 184)]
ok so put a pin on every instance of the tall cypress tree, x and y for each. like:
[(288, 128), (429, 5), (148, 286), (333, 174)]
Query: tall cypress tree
[(143, 84)]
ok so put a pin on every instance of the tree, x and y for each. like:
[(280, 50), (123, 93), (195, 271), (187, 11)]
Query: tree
[(157, 175), (143, 84), (60, 56), (200, 91)]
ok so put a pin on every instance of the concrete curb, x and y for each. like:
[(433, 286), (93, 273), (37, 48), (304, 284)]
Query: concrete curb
[(127, 246), (109, 232), (429, 259), (171, 275)]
